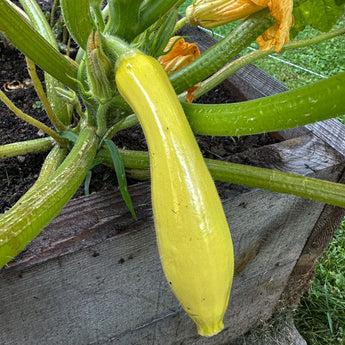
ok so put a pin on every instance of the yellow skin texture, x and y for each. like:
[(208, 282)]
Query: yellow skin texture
[(193, 237), (213, 13)]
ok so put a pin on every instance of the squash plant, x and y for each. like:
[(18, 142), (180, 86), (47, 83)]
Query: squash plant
[(131, 67)]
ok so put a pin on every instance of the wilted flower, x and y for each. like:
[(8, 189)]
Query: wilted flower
[(278, 34), (210, 14), (178, 54)]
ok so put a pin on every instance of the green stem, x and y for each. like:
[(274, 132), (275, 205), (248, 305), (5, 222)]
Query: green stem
[(274, 180), (99, 17), (34, 46), (115, 46), (78, 19), (315, 102), (38, 207), (42, 96), (102, 118), (129, 121), (25, 147), (52, 13), (32, 121), (222, 52), (244, 60), (41, 24), (53, 160), (278, 181), (182, 22)]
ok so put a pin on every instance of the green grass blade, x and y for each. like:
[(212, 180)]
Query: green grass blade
[(120, 173)]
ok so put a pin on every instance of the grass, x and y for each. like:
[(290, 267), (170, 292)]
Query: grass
[(320, 317)]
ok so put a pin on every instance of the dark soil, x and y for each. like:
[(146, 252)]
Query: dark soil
[(18, 174)]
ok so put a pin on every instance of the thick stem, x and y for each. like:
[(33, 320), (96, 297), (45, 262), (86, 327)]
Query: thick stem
[(318, 101), (114, 46), (38, 207), (277, 181), (101, 118), (25, 147), (41, 24), (222, 52), (33, 45)]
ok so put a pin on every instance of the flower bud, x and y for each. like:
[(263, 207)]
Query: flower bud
[(99, 70), (178, 54)]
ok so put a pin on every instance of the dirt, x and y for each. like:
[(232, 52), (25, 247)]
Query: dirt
[(19, 173)]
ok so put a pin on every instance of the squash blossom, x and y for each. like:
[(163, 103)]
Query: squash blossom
[(210, 14), (178, 54)]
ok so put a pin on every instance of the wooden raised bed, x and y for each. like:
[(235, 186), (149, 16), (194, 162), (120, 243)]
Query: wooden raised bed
[(94, 276)]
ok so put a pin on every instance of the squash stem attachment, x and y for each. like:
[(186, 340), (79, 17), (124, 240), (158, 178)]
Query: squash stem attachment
[(114, 46)]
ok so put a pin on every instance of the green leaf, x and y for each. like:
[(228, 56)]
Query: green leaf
[(163, 34), (320, 14), (88, 176), (78, 19), (120, 173), (152, 10), (69, 135), (34, 46), (123, 19)]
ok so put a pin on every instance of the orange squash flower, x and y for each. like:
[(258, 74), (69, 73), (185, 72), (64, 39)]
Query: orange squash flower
[(213, 13), (178, 54)]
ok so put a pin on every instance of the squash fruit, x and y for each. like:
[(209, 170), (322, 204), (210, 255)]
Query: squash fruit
[(193, 237)]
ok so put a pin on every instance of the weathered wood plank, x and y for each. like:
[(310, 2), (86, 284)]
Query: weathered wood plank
[(116, 290)]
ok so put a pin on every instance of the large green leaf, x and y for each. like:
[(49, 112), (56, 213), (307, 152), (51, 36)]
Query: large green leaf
[(320, 14)]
